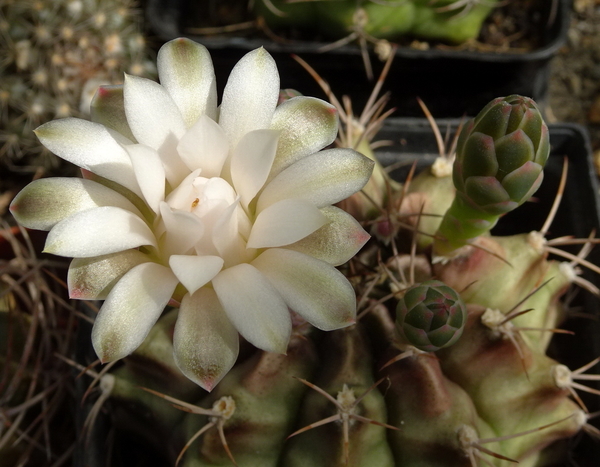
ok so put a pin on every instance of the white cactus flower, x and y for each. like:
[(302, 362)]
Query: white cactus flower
[(225, 210)]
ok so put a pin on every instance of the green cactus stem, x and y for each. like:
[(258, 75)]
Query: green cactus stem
[(499, 161)]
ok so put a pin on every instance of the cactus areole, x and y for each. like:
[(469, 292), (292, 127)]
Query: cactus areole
[(499, 164)]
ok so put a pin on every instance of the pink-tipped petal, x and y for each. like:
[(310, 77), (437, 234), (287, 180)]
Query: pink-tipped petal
[(93, 278), (131, 309), (337, 241), (323, 178), (205, 342), (312, 288)]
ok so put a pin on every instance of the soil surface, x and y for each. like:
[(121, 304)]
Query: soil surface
[(574, 94)]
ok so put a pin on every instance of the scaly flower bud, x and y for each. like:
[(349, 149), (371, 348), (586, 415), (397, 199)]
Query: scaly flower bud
[(499, 161), (431, 316)]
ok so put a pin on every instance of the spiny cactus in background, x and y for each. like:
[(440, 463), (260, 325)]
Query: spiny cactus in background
[(452, 20), (54, 57)]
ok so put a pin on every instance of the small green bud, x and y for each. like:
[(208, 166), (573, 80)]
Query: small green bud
[(431, 316), (499, 164)]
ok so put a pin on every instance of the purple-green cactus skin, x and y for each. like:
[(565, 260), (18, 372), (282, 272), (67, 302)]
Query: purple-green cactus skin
[(431, 316), (499, 164)]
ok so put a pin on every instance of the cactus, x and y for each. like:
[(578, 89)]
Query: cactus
[(53, 60), (454, 21), (445, 361)]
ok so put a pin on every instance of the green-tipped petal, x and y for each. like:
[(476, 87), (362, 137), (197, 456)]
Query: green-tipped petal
[(45, 202), (98, 231), (285, 222), (131, 309), (312, 288), (186, 72), (205, 342), (108, 109), (307, 125), (250, 95), (93, 278), (323, 178), (337, 241), (254, 307), (90, 146)]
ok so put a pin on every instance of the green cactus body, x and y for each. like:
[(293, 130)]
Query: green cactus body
[(421, 18), (346, 368), (301, 14), (387, 391), (266, 397), (523, 267), (454, 25)]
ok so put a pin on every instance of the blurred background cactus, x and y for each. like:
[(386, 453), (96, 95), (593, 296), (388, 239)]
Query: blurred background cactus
[(454, 21), (54, 57)]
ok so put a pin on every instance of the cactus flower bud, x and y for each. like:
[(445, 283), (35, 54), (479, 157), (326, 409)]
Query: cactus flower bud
[(431, 316), (499, 164)]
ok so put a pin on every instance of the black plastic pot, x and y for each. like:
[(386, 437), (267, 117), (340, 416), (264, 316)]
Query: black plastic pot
[(450, 82)]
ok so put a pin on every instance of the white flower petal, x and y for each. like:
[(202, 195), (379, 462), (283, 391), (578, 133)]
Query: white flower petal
[(131, 309), (205, 342), (98, 231), (312, 288), (45, 202), (337, 241), (323, 178), (195, 271), (250, 96), (155, 121), (254, 307), (149, 173), (183, 231), (204, 146), (285, 222), (186, 72), (307, 125), (225, 234), (251, 162), (90, 146), (107, 109), (93, 278)]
